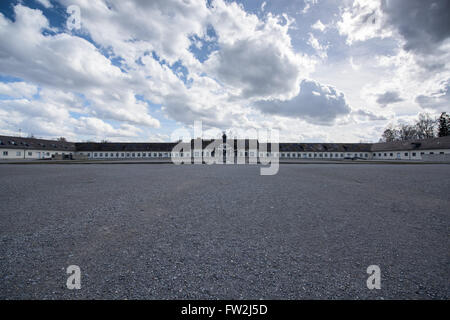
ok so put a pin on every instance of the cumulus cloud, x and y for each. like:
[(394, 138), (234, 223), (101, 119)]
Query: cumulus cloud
[(388, 97), (317, 103), (363, 20), (439, 100), (68, 63), (423, 24), (18, 89), (256, 58)]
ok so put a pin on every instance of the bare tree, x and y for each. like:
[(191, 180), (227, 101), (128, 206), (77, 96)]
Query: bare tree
[(389, 134), (407, 132), (444, 125), (425, 126)]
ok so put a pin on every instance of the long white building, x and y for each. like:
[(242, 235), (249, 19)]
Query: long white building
[(435, 149)]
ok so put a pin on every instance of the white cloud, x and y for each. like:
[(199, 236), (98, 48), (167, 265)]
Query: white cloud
[(256, 59), (308, 5), (320, 49), (363, 20), (319, 26), (46, 3), (263, 5), (18, 89), (68, 63)]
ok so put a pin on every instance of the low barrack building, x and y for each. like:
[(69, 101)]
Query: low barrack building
[(32, 148), (240, 150)]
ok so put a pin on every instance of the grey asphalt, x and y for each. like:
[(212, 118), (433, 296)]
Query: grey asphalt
[(224, 232)]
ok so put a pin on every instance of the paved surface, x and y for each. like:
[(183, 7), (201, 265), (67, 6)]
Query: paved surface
[(165, 231)]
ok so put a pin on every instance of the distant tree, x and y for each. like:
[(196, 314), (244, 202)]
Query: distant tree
[(389, 134), (444, 125), (425, 126), (407, 132), (62, 139), (104, 141)]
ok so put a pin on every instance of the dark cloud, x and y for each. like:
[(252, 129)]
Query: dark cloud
[(423, 24), (439, 100), (316, 103), (388, 97)]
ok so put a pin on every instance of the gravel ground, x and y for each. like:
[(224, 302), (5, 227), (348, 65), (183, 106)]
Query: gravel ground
[(224, 232)]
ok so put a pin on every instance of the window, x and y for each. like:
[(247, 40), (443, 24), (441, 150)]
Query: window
[(139, 154), (422, 153), (380, 154), (101, 154), (95, 154), (413, 154), (385, 154), (441, 152), (406, 154), (5, 153), (431, 152), (18, 153), (111, 154), (122, 154), (391, 154), (30, 153), (133, 154), (106, 155)]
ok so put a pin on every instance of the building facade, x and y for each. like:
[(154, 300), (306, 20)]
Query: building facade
[(14, 148)]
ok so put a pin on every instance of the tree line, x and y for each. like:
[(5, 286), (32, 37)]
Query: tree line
[(425, 127)]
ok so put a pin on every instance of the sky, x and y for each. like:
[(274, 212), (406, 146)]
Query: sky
[(138, 70)]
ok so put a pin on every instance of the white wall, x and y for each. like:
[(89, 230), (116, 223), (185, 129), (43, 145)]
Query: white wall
[(15, 154), (406, 154)]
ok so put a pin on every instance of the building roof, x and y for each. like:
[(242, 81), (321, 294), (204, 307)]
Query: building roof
[(42, 144), (425, 144), (125, 146), (35, 144), (325, 147)]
